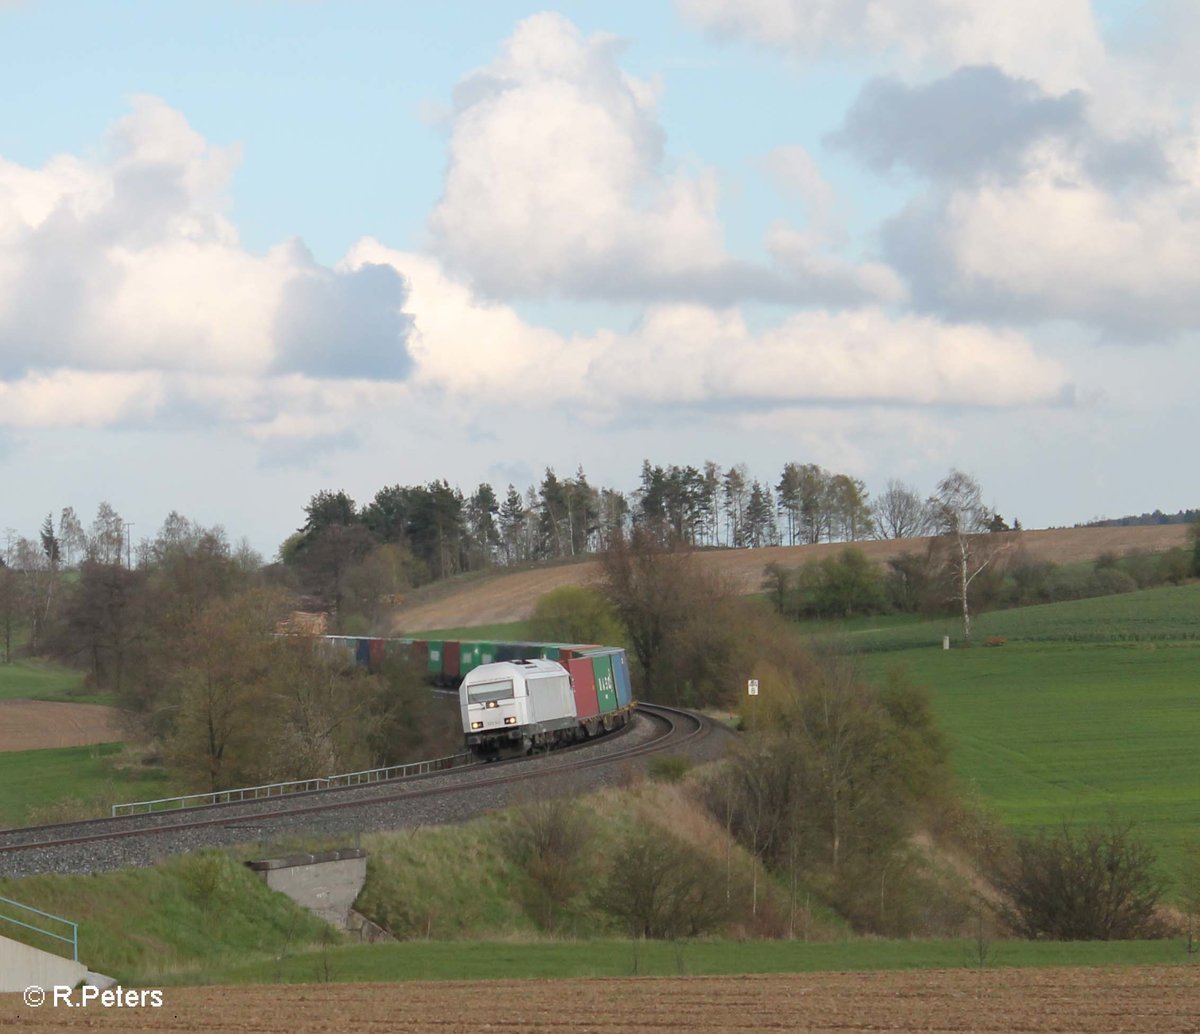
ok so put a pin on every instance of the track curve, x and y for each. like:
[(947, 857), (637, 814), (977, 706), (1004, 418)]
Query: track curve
[(454, 795)]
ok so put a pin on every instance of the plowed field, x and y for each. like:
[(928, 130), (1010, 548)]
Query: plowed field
[(512, 597), (1155, 999), (34, 724)]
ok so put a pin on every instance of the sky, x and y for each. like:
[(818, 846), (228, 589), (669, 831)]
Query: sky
[(251, 250)]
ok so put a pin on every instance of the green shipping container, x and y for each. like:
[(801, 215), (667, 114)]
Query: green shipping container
[(606, 685), (468, 657), (436, 652)]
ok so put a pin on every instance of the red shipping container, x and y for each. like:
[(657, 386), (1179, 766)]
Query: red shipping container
[(584, 680), (451, 654)]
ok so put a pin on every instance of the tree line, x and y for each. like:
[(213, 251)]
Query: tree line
[(349, 556)]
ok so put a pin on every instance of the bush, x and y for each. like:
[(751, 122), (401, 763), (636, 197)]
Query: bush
[(840, 587), (661, 887), (1175, 566), (1111, 582), (1143, 569), (669, 768), (549, 841), (1097, 884), (575, 614)]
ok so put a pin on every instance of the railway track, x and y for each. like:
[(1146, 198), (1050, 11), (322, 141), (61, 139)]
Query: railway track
[(449, 796)]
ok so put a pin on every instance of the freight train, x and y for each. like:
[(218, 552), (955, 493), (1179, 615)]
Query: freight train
[(515, 698)]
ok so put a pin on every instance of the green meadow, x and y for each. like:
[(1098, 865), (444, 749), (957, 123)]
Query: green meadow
[(507, 632), (31, 679), (64, 783), (516, 960), (1090, 710)]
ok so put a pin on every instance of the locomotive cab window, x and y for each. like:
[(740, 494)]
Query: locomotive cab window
[(486, 692)]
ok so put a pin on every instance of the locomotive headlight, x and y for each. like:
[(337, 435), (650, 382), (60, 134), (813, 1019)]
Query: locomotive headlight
[(477, 725), (492, 703), (510, 720)]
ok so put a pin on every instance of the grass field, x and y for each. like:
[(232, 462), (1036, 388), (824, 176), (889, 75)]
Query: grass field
[(1169, 614), (70, 782), (1091, 710), (44, 680), (490, 960), (507, 632)]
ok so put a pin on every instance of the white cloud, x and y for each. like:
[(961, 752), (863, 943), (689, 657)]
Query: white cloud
[(126, 297), (697, 356), (74, 398), (149, 312), (132, 264), (557, 184), (1057, 44), (1056, 244)]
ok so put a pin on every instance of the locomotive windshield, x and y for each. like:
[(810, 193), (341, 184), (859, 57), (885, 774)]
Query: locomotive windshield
[(483, 692)]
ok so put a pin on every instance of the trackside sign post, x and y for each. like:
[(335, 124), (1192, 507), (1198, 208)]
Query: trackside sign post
[(752, 687)]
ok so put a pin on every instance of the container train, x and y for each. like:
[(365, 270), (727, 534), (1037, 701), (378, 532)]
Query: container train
[(515, 698)]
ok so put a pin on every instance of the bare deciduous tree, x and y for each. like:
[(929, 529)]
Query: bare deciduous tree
[(899, 513)]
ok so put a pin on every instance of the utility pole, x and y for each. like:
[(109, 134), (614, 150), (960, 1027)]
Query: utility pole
[(128, 546)]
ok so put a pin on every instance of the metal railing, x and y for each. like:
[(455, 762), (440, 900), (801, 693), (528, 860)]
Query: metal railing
[(241, 793), (258, 793), (381, 775), (72, 940)]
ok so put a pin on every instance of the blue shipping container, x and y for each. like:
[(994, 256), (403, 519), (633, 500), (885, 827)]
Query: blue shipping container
[(620, 666)]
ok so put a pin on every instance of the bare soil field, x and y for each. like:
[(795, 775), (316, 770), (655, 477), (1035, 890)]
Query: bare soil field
[(512, 597), (34, 724), (1161, 998)]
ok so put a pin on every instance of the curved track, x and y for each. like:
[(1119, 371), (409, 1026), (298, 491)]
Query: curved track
[(453, 795)]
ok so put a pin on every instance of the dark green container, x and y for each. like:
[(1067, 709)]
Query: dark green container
[(606, 685), (436, 656), (474, 654)]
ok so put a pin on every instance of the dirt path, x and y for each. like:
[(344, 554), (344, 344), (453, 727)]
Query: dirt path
[(34, 724), (512, 597), (1093, 1001)]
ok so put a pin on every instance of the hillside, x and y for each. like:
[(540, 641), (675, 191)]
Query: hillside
[(511, 596)]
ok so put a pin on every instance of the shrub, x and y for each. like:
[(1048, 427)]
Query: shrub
[(1142, 568), (1096, 884), (1175, 566), (206, 875), (549, 841), (575, 614), (1110, 582), (661, 887), (669, 768)]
